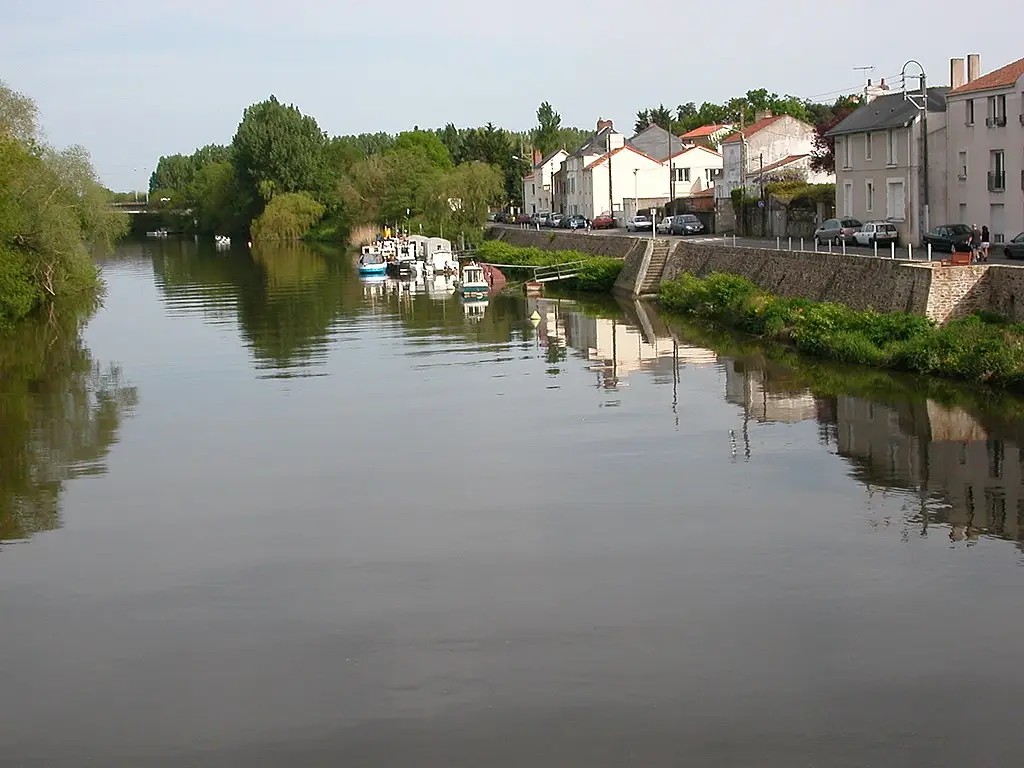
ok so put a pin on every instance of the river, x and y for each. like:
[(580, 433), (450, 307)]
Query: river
[(260, 513)]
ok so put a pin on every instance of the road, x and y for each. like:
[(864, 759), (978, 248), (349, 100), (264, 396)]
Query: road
[(753, 242)]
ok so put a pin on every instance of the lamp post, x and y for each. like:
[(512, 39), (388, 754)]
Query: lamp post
[(922, 107), (636, 199)]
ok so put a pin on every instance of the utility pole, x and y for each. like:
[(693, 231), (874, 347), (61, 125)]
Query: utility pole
[(743, 176), (671, 176), (764, 203), (922, 106), (611, 198)]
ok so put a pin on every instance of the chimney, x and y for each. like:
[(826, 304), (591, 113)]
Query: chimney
[(973, 67), (956, 73), (604, 124), (762, 114), (537, 157)]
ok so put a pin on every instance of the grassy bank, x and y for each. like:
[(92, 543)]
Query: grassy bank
[(975, 349), (598, 274)]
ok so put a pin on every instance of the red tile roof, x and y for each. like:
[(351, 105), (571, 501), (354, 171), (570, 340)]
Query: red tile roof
[(753, 128), (709, 192), (776, 164), (1004, 77), (704, 130)]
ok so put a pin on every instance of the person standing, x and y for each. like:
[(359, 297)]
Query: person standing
[(975, 243), (985, 242)]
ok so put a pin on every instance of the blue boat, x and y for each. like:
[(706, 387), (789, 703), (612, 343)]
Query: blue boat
[(372, 261), (474, 285)]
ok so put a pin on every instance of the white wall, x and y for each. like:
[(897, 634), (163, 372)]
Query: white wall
[(650, 181), (700, 161)]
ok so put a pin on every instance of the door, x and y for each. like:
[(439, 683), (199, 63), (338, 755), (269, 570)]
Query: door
[(997, 223)]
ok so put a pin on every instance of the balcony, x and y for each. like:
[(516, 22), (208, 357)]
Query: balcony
[(996, 181), (994, 122), (1021, 118)]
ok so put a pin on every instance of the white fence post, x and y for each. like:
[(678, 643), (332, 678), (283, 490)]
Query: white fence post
[(733, 239), (876, 249), (844, 246), (802, 244), (910, 251), (778, 243), (929, 251), (830, 246), (791, 243), (893, 246)]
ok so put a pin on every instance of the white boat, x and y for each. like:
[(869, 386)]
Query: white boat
[(222, 241), (474, 285), (474, 310), (372, 261), (157, 233)]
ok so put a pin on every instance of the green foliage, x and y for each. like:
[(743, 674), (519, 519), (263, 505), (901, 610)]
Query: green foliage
[(971, 348), (743, 196), (53, 212), (801, 192), (426, 144), (547, 135), (598, 274), (287, 217)]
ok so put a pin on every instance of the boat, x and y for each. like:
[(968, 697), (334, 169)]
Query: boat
[(403, 263), (157, 233), (222, 241), (474, 285), (372, 261)]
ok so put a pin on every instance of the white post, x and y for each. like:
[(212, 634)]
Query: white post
[(844, 246), (830, 246), (733, 239), (929, 251), (791, 242), (802, 245), (876, 249), (778, 243), (910, 251), (892, 245)]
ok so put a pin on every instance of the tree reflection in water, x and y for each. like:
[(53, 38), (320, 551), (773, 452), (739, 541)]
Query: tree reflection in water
[(60, 411)]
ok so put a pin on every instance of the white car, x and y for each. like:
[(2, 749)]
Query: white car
[(639, 223), (881, 232), (665, 225)]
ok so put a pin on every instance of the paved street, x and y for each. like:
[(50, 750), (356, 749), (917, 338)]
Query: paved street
[(753, 242)]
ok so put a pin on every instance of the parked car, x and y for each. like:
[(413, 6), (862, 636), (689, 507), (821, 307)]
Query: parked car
[(577, 222), (554, 218), (686, 224), (640, 223), (881, 232), (523, 218), (537, 219), (563, 223), (665, 225), (948, 237), (503, 217), (492, 216), (604, 221), (1015, 248), (836, 230)]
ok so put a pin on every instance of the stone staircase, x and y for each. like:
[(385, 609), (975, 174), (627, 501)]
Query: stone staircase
[(652, 278)]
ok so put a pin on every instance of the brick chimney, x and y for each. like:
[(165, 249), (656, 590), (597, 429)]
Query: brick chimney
[(537, 157), (973, 67), (956, 73), (604, 124), (762, 114)]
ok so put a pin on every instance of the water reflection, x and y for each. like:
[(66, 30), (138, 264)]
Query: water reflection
[(60, 411)]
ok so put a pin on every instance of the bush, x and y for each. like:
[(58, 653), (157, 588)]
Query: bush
[(982, 349), (287, 217), (598, 274)]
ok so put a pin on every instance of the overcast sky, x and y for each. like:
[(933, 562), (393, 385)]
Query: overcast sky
[(134, 80)]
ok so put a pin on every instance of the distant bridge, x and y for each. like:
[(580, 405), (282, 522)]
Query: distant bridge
[(141, 206)]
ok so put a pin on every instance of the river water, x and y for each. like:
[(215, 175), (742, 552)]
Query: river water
[(262, 513)]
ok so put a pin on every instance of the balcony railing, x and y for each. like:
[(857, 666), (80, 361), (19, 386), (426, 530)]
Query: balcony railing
[(996, 181), (1021, 118), (993, 122)]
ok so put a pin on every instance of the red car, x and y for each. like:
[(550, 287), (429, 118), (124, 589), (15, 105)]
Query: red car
[(523, 218), (603, 222)]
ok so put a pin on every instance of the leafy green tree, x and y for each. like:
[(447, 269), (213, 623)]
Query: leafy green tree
[(461, 197), (278, 149), (547, 135), (173, 174), (425, 143), (19, 116), (287, 217)]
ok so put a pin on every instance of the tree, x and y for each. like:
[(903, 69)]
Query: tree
[(425, 143), (173, 173), (19, 116), (278, 149), (461, 197), (287, 217), (547, 135), (823, 152)]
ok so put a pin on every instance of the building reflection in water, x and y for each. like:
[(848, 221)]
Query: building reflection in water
[(955, 472)]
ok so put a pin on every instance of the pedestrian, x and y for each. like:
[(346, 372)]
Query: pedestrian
[(984, 242), (588, 222), (975, 243)]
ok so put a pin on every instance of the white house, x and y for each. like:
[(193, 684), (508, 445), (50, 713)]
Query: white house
[(572, 172), (537, 190), (768, 140), (637, 181), (792, 167), (696, 168)]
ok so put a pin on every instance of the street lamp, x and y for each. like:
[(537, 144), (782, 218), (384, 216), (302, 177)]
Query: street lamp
[(636, 198)]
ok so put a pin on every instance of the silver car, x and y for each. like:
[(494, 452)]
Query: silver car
[(665, 225), (836, 231)]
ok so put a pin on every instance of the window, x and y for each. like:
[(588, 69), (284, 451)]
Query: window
[(996, 111), (867, 145), (997, 171), (961, 162), (869, 195), (895, 200), (962, 211), (969, 112), (848, 196), (686, 174), (533, 189), (847, 146), (891, 148)]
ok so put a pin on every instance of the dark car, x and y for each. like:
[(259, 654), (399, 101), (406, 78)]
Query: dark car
[(577, 222), (563, 223), (604, 221), (503, 217), (949, 237), (1015, 248), (685, 224)]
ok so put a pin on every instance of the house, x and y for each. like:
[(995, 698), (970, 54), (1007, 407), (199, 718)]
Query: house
[(537, 184), (656, 142), (627, 179), (695, 169), (769, 139), (985, 137), (879, 154), (571, 195), (710, 136)]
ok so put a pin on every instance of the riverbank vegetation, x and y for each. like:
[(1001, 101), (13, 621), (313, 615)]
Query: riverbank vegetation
[(440, 182), (53, 213), (976, 349), (597, 274)]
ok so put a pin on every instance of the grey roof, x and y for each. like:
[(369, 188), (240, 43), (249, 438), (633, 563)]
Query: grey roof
[(547, 159), (656, 142), (891, 111), (595, 145)]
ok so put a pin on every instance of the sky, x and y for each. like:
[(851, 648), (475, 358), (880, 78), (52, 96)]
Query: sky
[(135, 80)]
